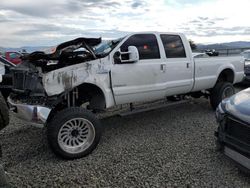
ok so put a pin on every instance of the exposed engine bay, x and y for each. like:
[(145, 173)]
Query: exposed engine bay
[(55, 79), (27, 78), (64, 54)]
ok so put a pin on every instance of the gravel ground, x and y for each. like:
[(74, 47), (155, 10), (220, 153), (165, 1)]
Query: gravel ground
[(162, 148)]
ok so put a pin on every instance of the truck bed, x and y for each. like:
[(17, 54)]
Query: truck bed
[(205, 76)]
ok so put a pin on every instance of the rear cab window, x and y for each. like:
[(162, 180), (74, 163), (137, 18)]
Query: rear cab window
[(146, 44), (173, 46)]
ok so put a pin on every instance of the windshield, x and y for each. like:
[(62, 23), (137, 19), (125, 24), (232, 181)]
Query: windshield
[(105, 47)]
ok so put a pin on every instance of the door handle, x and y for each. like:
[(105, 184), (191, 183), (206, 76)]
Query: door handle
[(188, 65), (163, 67)]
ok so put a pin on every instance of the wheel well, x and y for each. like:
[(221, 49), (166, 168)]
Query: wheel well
[(92, 94), (226, 75), (84, 93)]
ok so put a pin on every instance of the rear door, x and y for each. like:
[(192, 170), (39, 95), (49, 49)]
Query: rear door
[(143, 80), (179, 65)]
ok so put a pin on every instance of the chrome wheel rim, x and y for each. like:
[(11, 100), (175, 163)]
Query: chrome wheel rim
[(76, 135), (228, 92)]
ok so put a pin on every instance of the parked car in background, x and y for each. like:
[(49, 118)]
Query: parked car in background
[(233, 134), (199, 55), (14, 57), (246, 55), (212, 52)]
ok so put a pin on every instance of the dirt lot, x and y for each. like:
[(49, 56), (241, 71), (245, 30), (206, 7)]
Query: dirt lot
[(161, 148)]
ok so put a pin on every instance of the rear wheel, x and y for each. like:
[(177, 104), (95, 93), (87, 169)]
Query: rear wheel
[(221, 91), (74, 133)]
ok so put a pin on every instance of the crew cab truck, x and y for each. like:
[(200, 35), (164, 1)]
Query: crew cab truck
[(51, 88)]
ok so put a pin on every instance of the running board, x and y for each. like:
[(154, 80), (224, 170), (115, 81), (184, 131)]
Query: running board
[(139, 110)]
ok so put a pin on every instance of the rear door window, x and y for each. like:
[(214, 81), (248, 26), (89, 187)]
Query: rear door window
[(173, 46)]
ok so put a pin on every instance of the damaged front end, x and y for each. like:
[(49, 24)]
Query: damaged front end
[(29, 99)]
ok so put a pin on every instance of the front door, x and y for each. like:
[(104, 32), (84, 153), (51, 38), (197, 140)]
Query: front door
[(143, 80)]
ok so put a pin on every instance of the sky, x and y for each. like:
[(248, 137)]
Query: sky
[(49, 22)]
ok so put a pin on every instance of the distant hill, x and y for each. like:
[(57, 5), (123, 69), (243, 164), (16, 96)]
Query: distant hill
[(27, 48), (217, 46), (228, 45)]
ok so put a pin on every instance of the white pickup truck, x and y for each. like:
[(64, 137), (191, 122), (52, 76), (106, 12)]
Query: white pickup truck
[(51, 88)]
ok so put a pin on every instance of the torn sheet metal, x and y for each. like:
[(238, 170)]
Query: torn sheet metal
[(60, 80)]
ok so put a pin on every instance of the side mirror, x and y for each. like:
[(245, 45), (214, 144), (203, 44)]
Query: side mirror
[(132, 55)]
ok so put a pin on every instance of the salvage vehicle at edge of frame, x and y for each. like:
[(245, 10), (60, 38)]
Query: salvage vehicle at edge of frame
[(233, 134), (5, 87)]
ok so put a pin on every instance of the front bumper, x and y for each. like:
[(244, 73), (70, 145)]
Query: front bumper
[(34, 114)]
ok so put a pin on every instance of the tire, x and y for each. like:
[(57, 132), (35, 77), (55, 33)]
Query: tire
[(221, 91), (73, 133), (4, 113)]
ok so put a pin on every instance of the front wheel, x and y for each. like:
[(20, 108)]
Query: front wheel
[(73, 133), (221, 91)]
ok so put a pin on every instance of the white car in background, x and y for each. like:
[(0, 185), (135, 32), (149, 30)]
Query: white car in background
[(199, 55), (246, 55)]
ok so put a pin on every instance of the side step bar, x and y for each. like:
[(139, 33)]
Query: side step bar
[(154, 107)]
